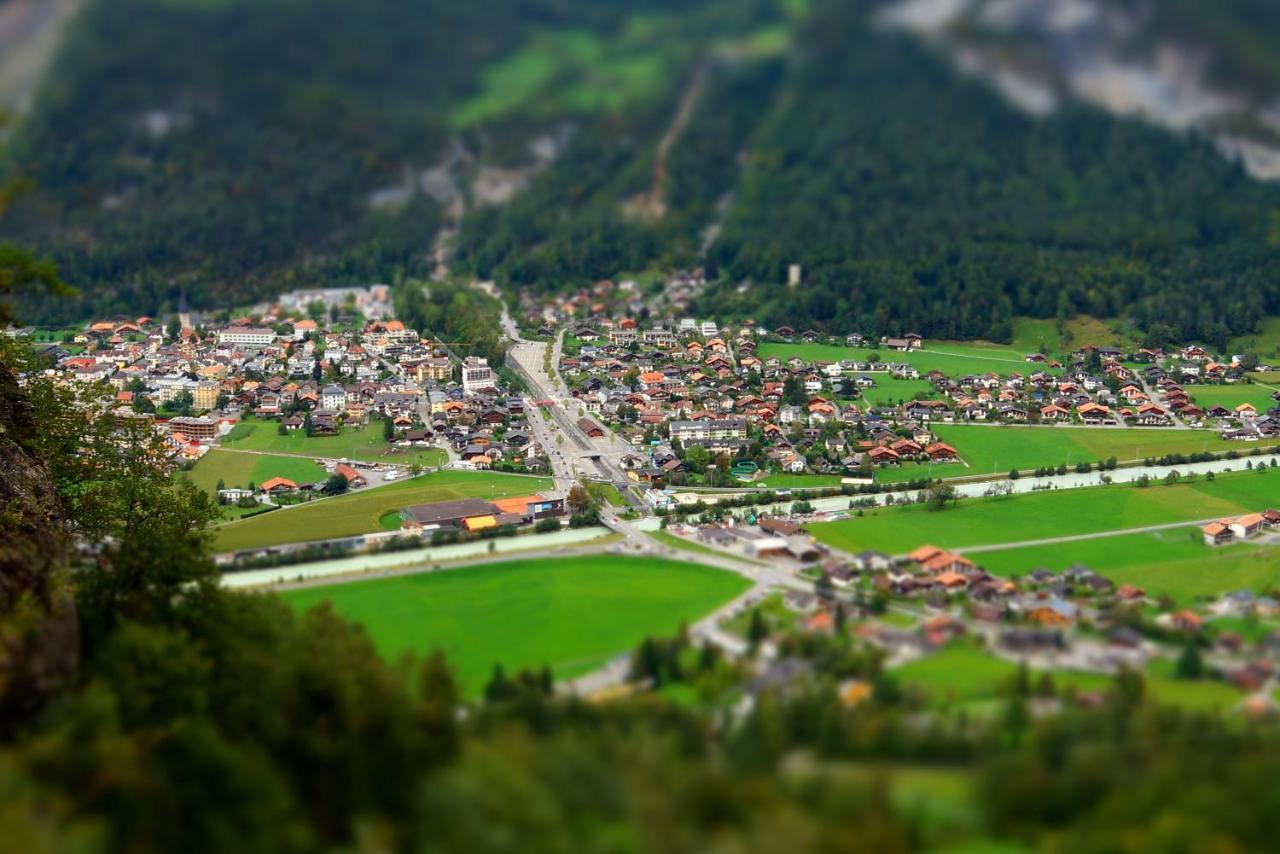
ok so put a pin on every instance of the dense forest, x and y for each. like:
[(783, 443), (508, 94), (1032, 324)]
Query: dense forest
[(918, 199), (214, 153)]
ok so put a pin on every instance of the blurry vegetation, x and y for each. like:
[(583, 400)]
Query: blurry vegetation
[(918, 199)]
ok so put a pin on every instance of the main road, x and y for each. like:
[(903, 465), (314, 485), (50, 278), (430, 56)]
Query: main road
[(579, 453)]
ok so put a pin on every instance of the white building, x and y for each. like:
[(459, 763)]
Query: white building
[(253, 336), (476, 374), (718, 428), (709, 328), (333, 397)]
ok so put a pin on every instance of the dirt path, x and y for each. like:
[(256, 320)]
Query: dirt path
[(653, 203)]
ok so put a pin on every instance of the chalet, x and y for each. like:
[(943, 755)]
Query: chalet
[(1094, 413), (1216, 533), (591, 429), (1053, 613), (353, 478), (941, 452), (1151, 415), (277, 485), (1246, 526)]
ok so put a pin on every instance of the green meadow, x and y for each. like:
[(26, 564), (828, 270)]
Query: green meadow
[(363, 512), (1173, 562), (995, 449), (1230, 396), (354, 443), (1042, 515), (965, 676), (571, 614), (235, 469)]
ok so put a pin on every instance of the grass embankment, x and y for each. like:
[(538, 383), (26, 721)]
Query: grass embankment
[(363, 512), (572, 614)]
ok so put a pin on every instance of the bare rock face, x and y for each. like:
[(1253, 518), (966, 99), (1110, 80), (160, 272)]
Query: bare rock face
[(38, 635)]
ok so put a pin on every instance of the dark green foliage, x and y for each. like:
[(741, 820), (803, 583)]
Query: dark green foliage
[(464, 318), (918, 199)]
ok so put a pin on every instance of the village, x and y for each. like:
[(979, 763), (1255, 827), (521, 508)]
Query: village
[(749, 449)]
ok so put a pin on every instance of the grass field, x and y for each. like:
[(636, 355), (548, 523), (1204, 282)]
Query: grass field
[(785, 480), (242, 469), (575, 70), (1041, 515), (363, 443), (362, 512), (573, 614), (1174, 562), (951, 358), (1265, 342), (915, 471), (891, 392), (1036, 335), (965, 675), (996, 450), (1230, 396)]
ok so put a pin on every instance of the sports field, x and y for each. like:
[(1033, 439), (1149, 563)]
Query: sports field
[(1175, 562), (236, 469), (353, 443), (573, 614), (993, 449), (1057, 513), (361, 512)]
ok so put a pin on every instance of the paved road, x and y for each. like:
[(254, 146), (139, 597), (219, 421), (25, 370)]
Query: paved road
[(602, 454)]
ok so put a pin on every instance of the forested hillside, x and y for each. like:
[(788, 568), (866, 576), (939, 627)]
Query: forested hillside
[(217, 152), (916, 198)]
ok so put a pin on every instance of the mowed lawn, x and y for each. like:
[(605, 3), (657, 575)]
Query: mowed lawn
[(1042, 515), (1175, 562), (236, 469), (572, 614), (354, 443), (1231, 396), (996, 450), (360, 512)]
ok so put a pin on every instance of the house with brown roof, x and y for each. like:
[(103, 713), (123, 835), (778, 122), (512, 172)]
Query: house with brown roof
[(353, 478)]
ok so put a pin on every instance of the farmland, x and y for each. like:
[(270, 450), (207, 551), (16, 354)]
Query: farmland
[(363, 443), (240, 470), (572, 614), (1230, 396), (362, 512), (997, 449), (1042, 515), (1173, 562)]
